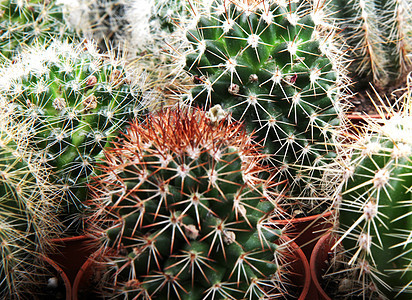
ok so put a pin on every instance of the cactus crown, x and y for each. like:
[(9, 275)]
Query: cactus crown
[(375, 210), (76, 100), (186, 211), (266, 63)]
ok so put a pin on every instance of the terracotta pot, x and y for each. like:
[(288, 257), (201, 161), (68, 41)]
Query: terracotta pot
[(62, 276), (307, 230), (71, 253), (318, 262), (85, 278), (363, 117), (298, 268)]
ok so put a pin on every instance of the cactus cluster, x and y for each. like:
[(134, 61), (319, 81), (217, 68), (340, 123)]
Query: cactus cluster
[(268, 66), (182, 210), (75, 100), (27, 214), (29, 22), (378, 35), (375, 211)]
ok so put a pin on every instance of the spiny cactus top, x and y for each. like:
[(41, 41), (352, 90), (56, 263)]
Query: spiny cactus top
[(77, 101), (182, 211), (27, 214), (265, 63), (376, 210), (378, 35), (25, 22)]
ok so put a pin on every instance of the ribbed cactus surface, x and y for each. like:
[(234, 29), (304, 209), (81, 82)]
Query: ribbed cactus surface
[(375, 212), (27, 22), (76, 101), (267, 65), (182, 212)]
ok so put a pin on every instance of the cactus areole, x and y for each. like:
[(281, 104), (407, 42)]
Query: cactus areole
[(187, 212), (376, 210), (264, 66)]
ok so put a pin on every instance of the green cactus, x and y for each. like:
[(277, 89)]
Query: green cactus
[(182, 212), (375, 210), (378, 35), (77, 101), (267, 65), (28, 22), (27, 215)]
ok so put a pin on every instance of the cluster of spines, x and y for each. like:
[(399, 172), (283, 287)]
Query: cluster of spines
[(29, 22), (374, 211), (76, 100), (183, 207)]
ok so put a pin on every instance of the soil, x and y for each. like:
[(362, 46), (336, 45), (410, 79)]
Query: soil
[(366, 98), (343, 282)]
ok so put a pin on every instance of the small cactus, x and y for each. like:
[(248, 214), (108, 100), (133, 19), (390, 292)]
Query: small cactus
[(267, 65), (182, 212), (375, 209), (76, 101), (24, 22), (27, 214)]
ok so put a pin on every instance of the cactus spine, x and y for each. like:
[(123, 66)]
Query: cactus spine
[(375, 210), (182, 212), (77, 101), (267, 65)]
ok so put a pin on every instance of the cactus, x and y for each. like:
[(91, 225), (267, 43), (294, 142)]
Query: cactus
[(76, 101), (103, 21), (140, 30), (375, 209), (27, 22), (27, 214), (378, 35), (268, 66), (181, 210)]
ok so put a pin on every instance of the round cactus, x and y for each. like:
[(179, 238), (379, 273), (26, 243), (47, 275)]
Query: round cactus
[(76, 101), (267, 65), (24, 22), (27, 214), (182, 212), (375, 210)]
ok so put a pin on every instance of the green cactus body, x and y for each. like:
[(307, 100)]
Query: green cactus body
[(263, 66), (77, 101), (375, 212), (378, 36), (27, 215), (29, 22), (186, 212)]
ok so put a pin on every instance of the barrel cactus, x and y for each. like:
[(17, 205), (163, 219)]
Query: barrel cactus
[(76, 101), (268, 66), (181, 211), (375, 209), (27, 215), (378, 35), (24, 22)]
